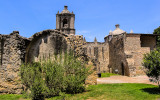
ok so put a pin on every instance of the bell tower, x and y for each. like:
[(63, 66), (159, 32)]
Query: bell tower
[(65, 21)]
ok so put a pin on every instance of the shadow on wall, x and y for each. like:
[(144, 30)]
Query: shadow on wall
[(44, 44)]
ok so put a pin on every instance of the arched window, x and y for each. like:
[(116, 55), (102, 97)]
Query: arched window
[(64, 22)]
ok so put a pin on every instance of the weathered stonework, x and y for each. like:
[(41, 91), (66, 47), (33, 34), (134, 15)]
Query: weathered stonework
[(100, 53), (117, 58), (65, 21), (135, 46), (13, 49), (126, 52), (121, 52)]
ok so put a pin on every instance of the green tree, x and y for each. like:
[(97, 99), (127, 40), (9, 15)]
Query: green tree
[(151, 62), (157, 31)]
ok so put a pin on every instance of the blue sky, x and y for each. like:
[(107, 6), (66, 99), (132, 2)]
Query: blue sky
[(94, 18)]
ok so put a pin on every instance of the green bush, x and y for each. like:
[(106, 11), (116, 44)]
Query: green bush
[(32, 78), (52, 77), (151, 62), (76, 73)]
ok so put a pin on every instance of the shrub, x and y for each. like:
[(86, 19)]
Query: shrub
[(76, 73), (151, 62), (54, 78), (31, 75), (65, 73)]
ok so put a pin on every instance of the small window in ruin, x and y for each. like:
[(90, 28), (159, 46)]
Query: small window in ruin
[(64, 22)]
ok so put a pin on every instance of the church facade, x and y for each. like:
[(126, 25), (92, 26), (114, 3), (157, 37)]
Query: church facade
[(121, 53)]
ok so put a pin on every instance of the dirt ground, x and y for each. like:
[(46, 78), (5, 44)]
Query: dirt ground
[(125, 79)]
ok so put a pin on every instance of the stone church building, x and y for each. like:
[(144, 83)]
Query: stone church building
[(121, 52)]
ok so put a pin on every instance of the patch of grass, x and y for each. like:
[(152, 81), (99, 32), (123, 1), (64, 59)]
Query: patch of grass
[(125, 91), (107, 74), (116, 92), (10, 97)]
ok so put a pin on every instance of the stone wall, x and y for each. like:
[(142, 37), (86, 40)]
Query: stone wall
[(12, 51), (117, 57), (45, 44), (126, 52), (136, 45), (100, 53), (121, 54), (49, 42), (148, 41)]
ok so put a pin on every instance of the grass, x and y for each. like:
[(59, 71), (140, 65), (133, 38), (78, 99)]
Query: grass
[(107, 74), (10, 97), (125, 91)]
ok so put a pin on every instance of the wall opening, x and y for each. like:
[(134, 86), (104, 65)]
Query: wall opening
[(64, 22), (148, 41), (122, 68)]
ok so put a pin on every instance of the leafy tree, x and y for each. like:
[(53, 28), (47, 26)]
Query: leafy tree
[(151, 62), (157, 31)]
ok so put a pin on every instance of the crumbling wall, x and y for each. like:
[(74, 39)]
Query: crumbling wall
[(126, 52), (100, 53), (48, 42), (12, 51), (117, 57), (148, 41), (135, 47), (45, 44)]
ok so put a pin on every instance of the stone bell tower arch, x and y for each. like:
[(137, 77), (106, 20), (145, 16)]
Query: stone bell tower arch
[(65, 21)]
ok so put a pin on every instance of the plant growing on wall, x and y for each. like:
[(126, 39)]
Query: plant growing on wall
[(151, 62)]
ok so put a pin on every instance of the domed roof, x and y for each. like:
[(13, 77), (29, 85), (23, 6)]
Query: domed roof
[(117, 31), (65, 10)]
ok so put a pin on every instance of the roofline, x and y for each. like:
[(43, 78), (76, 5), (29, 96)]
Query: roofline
[(143, 34), (137, 34)]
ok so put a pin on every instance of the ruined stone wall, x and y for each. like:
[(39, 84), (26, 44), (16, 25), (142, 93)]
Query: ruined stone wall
[(46, 43), (49, 42), (126, 52), (99, 52), (148, 41), (117, 57), (12, 51), (135, 53)]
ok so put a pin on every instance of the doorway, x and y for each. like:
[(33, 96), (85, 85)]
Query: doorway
[(122, 65)]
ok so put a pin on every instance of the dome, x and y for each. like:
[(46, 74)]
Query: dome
[(117, 31), (65, 10)]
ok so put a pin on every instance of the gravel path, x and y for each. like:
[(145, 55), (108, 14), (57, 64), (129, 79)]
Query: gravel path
[(125, 79)]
